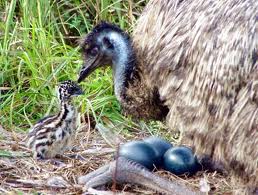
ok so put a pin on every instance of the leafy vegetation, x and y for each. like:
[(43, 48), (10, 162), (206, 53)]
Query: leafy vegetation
[(39, 47)]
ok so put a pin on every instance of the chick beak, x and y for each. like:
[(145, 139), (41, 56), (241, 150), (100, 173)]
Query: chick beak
[(79, 91)]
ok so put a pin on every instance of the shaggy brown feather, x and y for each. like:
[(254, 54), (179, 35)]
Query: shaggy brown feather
[(198, 59), (142, 101), (201, 57)]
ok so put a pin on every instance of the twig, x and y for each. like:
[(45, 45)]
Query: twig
[(115, 172), (32, 184)]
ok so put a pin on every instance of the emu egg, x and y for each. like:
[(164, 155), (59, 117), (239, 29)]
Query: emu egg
[(180, 160), (160, 146), (140, 152)]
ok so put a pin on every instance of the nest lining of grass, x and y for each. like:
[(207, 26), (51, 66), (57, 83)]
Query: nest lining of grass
[(20, 173)]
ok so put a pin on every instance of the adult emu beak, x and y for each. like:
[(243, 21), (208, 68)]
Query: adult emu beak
[(90, 64), (85, 71)]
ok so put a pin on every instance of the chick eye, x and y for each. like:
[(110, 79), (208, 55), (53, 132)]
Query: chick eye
[(94, 51)]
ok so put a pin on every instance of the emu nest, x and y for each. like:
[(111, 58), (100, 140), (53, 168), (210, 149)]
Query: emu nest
[(20, 173)]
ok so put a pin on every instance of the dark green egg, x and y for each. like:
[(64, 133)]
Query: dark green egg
[(160, 146), (180, 160), (139, 152)]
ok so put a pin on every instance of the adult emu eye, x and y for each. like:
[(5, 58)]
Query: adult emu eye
[(107, 43), (94, 51)]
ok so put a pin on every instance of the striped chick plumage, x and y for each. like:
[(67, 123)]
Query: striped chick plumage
[(53, 134)]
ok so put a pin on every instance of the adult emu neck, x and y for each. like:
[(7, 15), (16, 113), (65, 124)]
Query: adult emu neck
[(131, 87), (123, 63)]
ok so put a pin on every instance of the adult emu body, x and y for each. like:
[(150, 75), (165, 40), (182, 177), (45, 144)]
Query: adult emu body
[(195, 63)]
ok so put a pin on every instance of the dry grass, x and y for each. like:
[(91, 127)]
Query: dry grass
[(19, 173)]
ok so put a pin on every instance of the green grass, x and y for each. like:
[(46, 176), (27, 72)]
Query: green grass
[(39, 48)]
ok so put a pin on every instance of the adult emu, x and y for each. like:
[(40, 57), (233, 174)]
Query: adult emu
[(198, 61)]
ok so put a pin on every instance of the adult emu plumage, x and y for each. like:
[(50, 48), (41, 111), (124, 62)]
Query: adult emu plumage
[(198, 61)]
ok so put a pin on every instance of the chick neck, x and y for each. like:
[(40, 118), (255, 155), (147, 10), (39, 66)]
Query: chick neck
[(67, 110)]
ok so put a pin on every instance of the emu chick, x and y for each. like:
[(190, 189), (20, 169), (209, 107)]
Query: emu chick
[(53, 134)]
